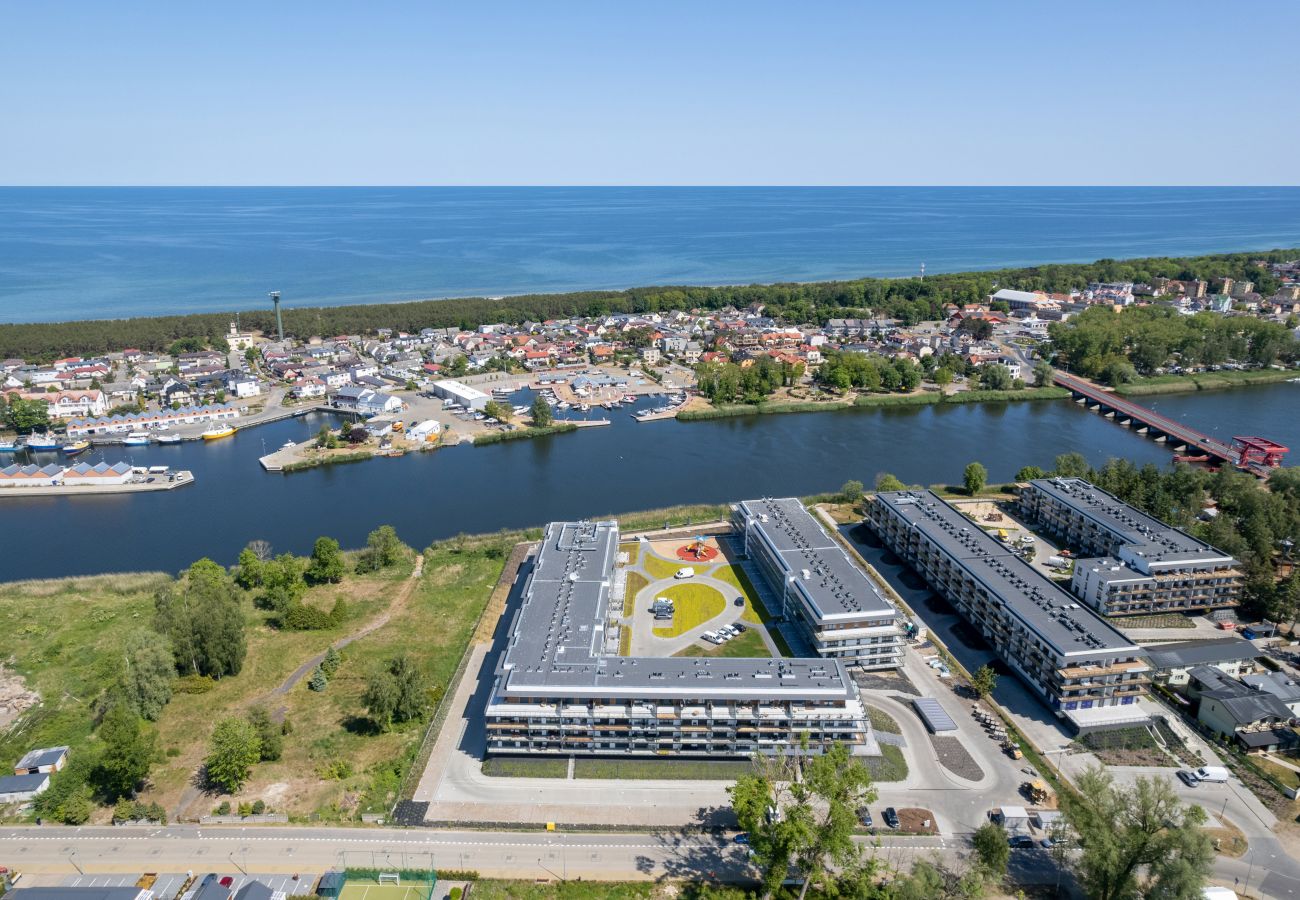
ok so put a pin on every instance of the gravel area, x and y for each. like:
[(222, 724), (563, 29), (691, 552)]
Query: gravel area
[(956, 758), (877, 681)]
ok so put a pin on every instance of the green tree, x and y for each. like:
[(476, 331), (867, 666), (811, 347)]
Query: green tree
[(1029, 473), (1043, 373), (543, 416), (995, 377), (942, 377), (495, 409), (983, 681), (395, 693), (270, 737), (851, 492), (333, 659), (25, 416), (234, 750), (319, 680), (990, 843), (383, 549), (1139, 841), (975, 477), (887, 482), (1071, 465), (326, 565), (202, 618), (149, 673), (282, 583), (248, 570), (128, 747), (801, 812)]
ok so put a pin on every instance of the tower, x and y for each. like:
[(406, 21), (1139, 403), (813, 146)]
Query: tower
[(279, 323), (923, 271)]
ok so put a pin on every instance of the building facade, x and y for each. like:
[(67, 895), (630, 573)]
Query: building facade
[(843, 613), (560, 689), (1133, 564), (1081, 667)]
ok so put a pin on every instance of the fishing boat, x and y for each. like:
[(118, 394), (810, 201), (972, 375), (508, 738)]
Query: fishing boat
[(168, 438), (46, 441), (76, 448), (8, 446), (218, 431), (136, 439)]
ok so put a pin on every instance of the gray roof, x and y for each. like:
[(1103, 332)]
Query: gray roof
[(1245, 704), (556, 645), (1197, 653), (76, 893), (834, 587), (254, 890), (44, 756), (1145, 537), (935, 716), (1038, 602), (16, 784), (1279, 684)]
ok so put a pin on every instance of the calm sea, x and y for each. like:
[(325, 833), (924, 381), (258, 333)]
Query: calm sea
[(73, 253)]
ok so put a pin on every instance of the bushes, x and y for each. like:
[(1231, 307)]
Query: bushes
[(496, 437), (194, 684), (135, 811)]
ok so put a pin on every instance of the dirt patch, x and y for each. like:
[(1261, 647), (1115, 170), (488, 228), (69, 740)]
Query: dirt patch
[(15, 697), (875, 681), (1228, 840), (912, 819), (954, 757)]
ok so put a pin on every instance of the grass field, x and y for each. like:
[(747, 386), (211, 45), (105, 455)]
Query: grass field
[(735, 575), (636, 582), (1288, 777), (662, 568), (748, 646), (889, 766), (632, 549), (369, 890), (694, 604), (526, 767), (683, 769), (883, 721)]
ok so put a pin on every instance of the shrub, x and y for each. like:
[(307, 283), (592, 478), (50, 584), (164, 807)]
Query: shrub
[(334, 770), (223, 808), (301, 617), (259, 807), (245, 809), (319, 680), (194, 684)]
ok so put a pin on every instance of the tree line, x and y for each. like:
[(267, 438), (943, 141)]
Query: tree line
[(910, 299)]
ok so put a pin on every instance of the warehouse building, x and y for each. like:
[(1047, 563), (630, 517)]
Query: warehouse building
[(466, 396), (1083, 669), (1135, 564), (844, 614), (557, 691)]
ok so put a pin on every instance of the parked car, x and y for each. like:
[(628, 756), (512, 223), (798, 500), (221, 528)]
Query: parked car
[(1020, 840), (1188, 778), (685, 572), (742, 838), (864, 816), (891, 817), (739, 601), (738, 627), (227, 881)]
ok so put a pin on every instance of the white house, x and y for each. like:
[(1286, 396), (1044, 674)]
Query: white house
[(21, 788)]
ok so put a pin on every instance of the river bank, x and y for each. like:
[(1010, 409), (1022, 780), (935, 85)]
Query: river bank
[(1205, 381), (873, 401)]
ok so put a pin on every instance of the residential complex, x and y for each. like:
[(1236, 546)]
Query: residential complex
[(559, 687), (1138, 564), (1084, 669), (843, 613)]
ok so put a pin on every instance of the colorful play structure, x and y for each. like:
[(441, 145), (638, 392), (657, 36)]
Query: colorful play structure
[(698, 550)]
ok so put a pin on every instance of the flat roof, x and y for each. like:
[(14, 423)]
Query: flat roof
[(460, 389), (1196, 653), (1044, 607), (557, 639), (834, 587), (935, 716), (1145, 536)]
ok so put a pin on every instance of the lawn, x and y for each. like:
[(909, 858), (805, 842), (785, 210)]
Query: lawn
[(735, 575), (679, 769), (635, 583), (662, 568), (889, 766), (566, 890), (748, 646), (526, 767), (695, 604), (1287, 777), (632, 549), (883, 721)]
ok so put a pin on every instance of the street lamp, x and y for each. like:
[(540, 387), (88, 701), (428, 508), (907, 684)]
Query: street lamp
[(71, 854)]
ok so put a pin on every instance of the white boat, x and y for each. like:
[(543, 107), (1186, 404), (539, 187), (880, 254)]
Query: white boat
[(168, 438), (136, 439)]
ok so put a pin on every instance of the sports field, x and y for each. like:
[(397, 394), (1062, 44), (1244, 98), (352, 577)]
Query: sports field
[(409, 886)]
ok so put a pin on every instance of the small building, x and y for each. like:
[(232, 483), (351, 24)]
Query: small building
[(1280, 685), (1256, 719), (99, 473), (46, 759), (21, 788), (1232, 656), (936, 718)]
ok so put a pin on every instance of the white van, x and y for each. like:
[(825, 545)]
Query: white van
[(1212, 774), (685, 572)]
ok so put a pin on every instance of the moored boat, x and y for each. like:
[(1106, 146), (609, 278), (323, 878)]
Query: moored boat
[(43, 442), (7, 446), (168, 438), (136, 439), (218, 431), (76, 448)]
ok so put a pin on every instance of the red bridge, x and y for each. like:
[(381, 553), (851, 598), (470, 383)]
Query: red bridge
[(1252, 454)]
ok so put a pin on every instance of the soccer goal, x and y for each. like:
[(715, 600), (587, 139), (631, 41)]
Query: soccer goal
[(390, 878)]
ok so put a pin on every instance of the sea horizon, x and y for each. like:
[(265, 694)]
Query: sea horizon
[(111, 252)]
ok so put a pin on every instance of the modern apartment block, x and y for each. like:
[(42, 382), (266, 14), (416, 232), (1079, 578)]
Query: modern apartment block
[(1136, 564), (558, 688), (1085, 670), (844, 614)]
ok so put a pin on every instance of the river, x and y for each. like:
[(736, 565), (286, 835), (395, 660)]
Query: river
[(626, 466)]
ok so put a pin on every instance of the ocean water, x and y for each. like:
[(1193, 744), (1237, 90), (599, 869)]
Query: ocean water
[(73, 253)]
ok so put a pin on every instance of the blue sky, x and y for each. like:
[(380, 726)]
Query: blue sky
[(325, 92)]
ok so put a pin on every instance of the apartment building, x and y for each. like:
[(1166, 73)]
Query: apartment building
[(843, 613), (560, 688), (1134, 564), (1083, 669)]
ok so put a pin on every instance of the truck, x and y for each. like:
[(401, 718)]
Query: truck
[(1058, 562), (1013, 750), (1212, 774)]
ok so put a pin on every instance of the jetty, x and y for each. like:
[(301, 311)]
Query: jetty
[(141, 481)]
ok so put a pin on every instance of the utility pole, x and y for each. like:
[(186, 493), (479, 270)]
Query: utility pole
[(279, 323)]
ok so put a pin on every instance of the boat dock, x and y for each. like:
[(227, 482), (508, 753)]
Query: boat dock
[(585, 423), (159, 482), (195, 432)]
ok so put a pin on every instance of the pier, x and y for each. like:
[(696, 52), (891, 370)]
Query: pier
[(140, 484), (1255, 455)]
